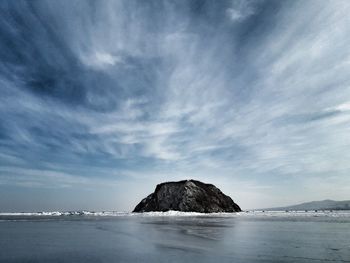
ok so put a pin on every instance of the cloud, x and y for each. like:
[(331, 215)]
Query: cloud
[(241, 10), (137, 92), (344, 107), (101, 60)]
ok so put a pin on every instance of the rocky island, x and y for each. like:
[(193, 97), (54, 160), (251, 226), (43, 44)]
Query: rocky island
[(187, 196)]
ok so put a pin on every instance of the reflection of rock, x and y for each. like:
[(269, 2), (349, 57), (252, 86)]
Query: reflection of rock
[(187, 196)]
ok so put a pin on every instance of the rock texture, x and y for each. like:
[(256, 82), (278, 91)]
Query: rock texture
[(187, 196)]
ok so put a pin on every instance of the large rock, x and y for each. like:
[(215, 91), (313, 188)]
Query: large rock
[(187, 196)]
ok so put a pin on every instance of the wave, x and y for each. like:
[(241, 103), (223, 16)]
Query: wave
[(187, 214)]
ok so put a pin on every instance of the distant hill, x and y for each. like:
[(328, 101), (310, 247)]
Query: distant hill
[(315, 205)]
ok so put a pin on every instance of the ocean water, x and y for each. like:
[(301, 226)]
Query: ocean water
[(175, 237)]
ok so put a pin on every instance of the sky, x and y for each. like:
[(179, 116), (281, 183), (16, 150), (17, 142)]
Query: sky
[(102, 100)]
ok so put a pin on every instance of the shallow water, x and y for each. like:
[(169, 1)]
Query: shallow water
[(175, 237)]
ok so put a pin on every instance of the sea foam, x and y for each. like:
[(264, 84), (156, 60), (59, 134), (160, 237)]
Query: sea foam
[(187, 214)]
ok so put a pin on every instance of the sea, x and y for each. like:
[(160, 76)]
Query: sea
[(251, 236)]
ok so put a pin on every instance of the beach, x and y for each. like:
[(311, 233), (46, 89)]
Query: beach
[(175, 237)]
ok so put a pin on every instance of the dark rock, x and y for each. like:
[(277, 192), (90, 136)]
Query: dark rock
[(187, 196)]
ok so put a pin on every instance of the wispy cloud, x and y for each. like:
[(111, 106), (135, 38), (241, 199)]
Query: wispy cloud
[(241, 10), (247, 93)]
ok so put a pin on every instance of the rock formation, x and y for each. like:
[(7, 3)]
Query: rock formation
[(187, 196)]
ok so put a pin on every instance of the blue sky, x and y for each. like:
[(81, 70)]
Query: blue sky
[(102, 100)]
